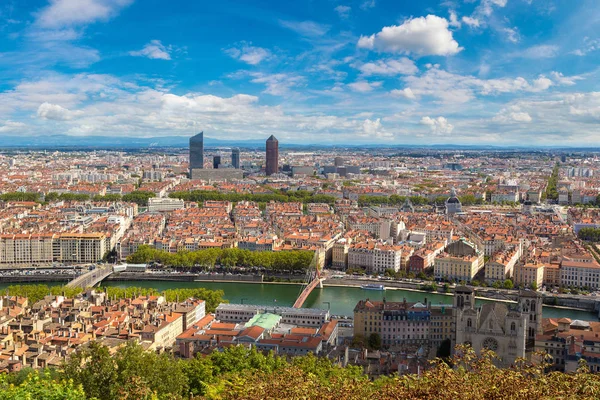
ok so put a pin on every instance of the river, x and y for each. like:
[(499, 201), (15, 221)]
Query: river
[(340, 300)]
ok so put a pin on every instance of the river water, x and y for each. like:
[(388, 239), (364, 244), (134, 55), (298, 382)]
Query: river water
[(340, 300)]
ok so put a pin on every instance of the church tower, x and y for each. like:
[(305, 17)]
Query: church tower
[(531, 303)]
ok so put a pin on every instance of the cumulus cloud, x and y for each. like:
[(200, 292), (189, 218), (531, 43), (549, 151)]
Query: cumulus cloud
[(512, 114), (420, 36), (60, 13), (11, 126), (406, 93), (249, 54), (153, 50), (454, 88), (540, 84), (364, 86), (389, 67), (439, 125), (55, 112), (343, 11)]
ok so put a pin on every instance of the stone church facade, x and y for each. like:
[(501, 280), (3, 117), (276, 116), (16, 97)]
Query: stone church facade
[(506, 329)]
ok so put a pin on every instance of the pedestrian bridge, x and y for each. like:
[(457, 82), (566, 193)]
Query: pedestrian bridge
[(313, 279), (91, 278)]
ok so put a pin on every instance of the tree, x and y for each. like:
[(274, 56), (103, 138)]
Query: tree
[(40, 386), (533, 286), (374, 341), (138, 197), (93, 368), (508, 284)]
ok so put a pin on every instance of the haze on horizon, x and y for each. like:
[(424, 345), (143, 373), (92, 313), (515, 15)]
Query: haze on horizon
[(486, 72)]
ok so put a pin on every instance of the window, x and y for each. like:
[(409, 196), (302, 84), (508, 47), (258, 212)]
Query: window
[(469, 324)]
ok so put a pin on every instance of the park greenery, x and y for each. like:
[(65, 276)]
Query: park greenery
[(396, 200), (275, 195), (92, 372), (36, 293), (552, 186), (296, 260), (589, 234)]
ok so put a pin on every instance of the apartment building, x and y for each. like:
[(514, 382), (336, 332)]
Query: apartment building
[(461, 262), (162, 204), (501, 266), (580, 271), (396, 322), (375, 258), (529, 274), (26, 250)]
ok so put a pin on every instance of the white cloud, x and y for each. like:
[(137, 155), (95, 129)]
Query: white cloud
[(154, 50), (306, 28), (454, 22), (512, 34), (560, 79), (277, 84), (439, 125), (249, 54), (367, 4), (364, 86), (471, 21), (374, 129), (453, 88), (541, 83), (343, 11), (389, 67), (589, 45), (55, 112), (421, 36), (486, 7), (407, 93), (512, 114), (12, 126), (60, 13), (540, 51)]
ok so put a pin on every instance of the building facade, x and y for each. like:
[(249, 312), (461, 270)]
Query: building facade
[(272, 159), (197, 151)]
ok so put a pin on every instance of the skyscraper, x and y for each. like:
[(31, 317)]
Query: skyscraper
[(235, 158), (216, 161), (197, 151), (272, 166), (338, 162)]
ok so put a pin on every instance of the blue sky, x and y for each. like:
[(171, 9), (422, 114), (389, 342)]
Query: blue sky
[(500, 72)]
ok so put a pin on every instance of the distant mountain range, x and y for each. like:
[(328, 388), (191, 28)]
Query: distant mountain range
[(121, 142)]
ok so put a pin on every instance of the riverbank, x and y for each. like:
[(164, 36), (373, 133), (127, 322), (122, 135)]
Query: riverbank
[(578, 304)]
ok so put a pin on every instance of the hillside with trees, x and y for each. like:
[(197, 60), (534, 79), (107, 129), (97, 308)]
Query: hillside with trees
[(238, 373)]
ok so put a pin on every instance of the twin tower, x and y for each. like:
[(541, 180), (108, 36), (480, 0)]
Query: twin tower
[(197, 170)]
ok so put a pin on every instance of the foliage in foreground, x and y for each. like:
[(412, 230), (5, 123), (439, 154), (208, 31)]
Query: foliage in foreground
[(239, 373)]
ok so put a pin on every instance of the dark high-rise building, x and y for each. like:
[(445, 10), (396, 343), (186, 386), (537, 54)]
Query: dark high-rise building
[(197, 151), (338, 162), (216, 161), (272, 166), (235, 158)]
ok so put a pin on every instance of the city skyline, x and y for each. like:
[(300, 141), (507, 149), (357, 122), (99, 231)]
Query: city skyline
[(484, 72)]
